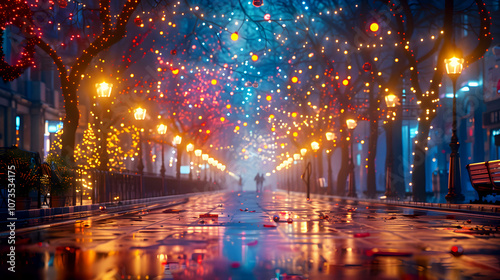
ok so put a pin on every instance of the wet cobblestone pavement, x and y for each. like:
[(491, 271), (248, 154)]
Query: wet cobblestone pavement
[(268, 235)]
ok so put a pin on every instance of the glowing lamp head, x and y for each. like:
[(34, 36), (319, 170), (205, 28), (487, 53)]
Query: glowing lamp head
[(391, 100), (103, 89), (315, 146), (189, 147), (296, 156), (140, 114), (234, 36), (198, 152), (204, 157), (303, 151), (374, 27), (330, 136), (351, 123), (454, 65), (295, 79), (345, 82), (211, 161), (177, 140), (162, 129)]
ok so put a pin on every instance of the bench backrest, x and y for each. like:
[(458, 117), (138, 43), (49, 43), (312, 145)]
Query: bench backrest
[(478, 173), (494, 170)]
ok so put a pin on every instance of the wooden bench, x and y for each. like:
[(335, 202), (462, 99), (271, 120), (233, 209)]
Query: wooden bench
[(485, 177)]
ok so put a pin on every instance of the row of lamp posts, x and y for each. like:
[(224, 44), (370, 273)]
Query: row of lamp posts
[(104, 91)]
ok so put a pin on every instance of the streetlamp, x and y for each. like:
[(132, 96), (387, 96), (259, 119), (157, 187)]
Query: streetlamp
[(103, 93), (330, 136), (391, 100), (198, 153), (314, 148), (351, 125), (210, 161), (104, 89), (177, 142), (204, 157), (303, 152), (162, 130), (140, 115), (454, 66), (296, 157), (189, 149), (289, 163)]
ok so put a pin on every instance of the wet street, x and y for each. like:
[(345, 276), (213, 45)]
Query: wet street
[(267, 235)]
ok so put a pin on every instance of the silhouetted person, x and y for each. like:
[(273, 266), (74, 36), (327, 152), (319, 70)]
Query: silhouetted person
[(261, 183), (240, 183), (257, 182)]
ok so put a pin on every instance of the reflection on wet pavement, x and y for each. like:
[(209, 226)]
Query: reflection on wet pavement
[(264, 236)]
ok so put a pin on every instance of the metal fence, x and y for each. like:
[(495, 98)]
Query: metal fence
[(33, 184)]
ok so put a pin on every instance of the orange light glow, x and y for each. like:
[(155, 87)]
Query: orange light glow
[(235, 36), (295, 79), (374, 27)]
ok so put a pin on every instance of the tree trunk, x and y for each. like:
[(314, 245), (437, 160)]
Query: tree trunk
[(70, 123), (398, 172), (419, 174), (371, 180)]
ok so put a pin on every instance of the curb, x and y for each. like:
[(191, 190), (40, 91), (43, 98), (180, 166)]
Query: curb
[(88, 211), (466, 208)]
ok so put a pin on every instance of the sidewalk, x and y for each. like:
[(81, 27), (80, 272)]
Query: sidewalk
[(61, 215), (469, 208)]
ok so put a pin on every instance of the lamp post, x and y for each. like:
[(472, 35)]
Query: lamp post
[(211, 161), (330, 136), (351, 125), (140, 115), (189, 149), (315, 148), (391, 101), (198, 153), (303, 153), (103, 93), (162, 130), (177, 142), (289, 163), (296, 158), (454, 66), (204, 157)]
